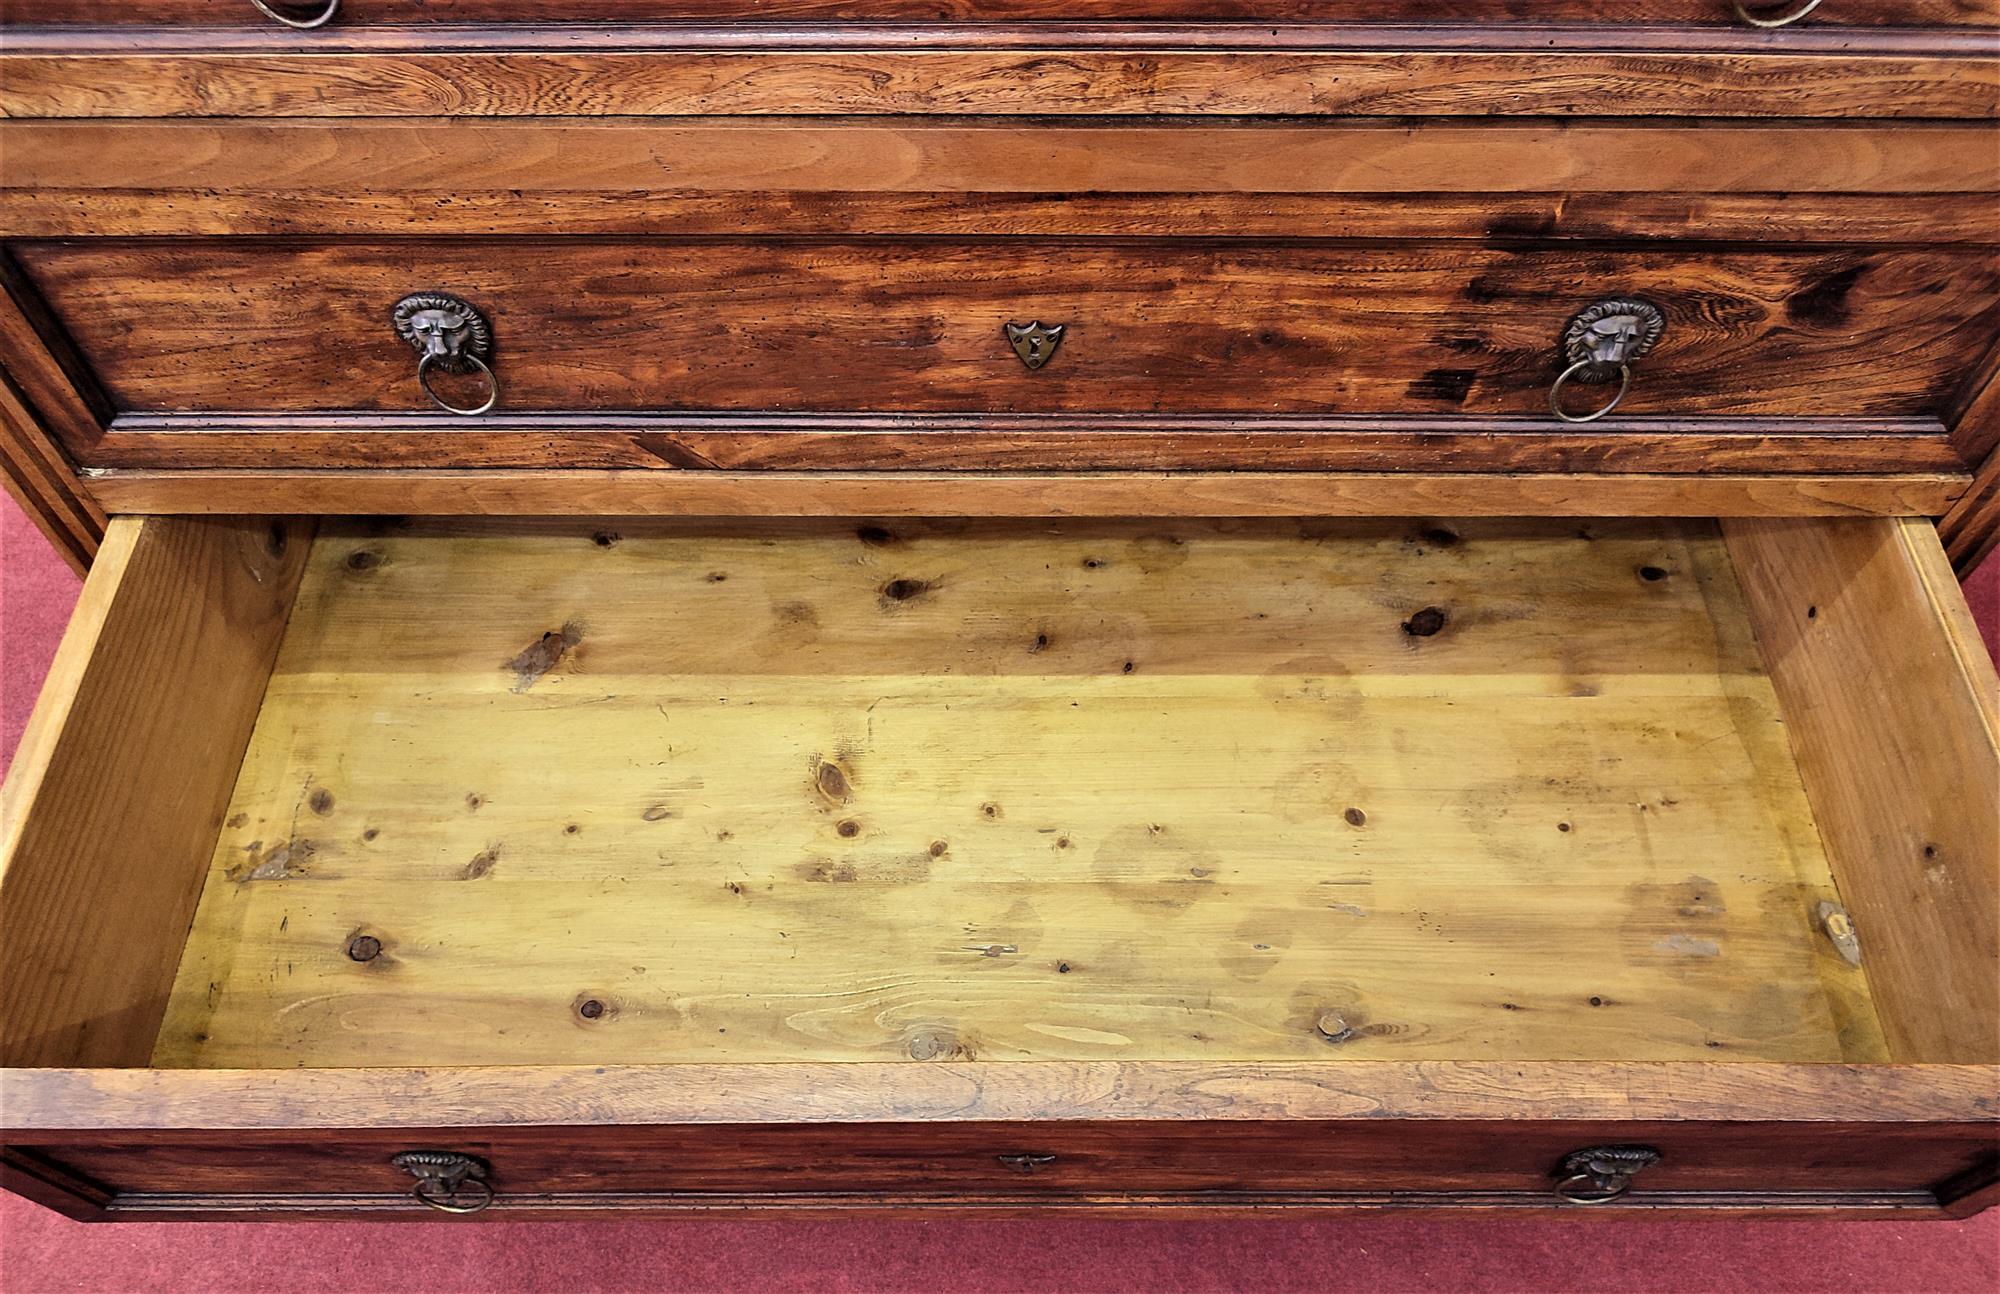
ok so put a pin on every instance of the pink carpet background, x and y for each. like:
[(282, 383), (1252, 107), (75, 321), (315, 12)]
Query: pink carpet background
[(43, 1253)]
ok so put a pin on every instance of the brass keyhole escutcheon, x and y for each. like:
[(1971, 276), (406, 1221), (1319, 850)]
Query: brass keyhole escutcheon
[(1035, 342)]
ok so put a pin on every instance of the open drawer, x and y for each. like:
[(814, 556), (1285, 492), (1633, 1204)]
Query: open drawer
[(987, 864)]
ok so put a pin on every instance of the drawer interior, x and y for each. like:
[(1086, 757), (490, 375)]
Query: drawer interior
[(507, 792)]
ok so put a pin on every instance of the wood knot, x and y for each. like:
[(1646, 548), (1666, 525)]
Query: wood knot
[(1425, 623), (1333, 1028)]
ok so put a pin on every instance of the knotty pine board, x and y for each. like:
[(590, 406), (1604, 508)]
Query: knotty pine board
[(1140, 790)]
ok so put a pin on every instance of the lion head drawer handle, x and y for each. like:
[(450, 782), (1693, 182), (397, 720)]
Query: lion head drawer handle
[(276, 14), (447, 1182), (1602, 1174), (448, 333), (1750, 14), (1603, 342)]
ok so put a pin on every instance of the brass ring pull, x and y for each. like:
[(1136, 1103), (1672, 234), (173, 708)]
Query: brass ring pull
[(446, 1181), (1581, 366), (322, 18), (452, 1199), (1582, 1188), (1601, 1174), (448, 331), (1782, 20), (1600, 341), (424, 367)]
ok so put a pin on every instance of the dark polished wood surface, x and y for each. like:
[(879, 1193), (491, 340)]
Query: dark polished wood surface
[(366, 13), (917, 327)]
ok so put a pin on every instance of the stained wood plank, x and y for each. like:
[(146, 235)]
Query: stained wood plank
[(54, 209), (118, 785), (1055, 79), (38, 477), (1971, 529), (1127, 790), (1079, 442), (1528, 18), (924, 157), (1893, 707), (560, 492)]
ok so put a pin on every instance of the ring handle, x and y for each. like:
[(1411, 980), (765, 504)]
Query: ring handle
[(1601, 1174), (450, 1199), (1555, 392), (492, 384), (325, 15), (446, 1180), (1782, 20), (1584, 1188)]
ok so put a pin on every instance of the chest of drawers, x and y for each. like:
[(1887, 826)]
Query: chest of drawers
[(1190, 605)]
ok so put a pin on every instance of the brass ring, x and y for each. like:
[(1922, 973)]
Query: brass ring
[(325, 16), (1597, 1193), (1743, 12), (492, 384), (449, 1202), (1555, 392)]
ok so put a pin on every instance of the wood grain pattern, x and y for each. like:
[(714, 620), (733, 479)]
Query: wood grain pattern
[(963, 791), (1276, 1158), (1971, 529), (1533, 14), (1893, 707), (118, 785), (673, 160), (1075, 442), (918, 326), (55, 209), (41, 81), (40, 480), (95, 1106), (559, 492)]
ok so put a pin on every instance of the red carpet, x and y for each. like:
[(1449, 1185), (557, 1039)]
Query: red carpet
[(41, 1253)]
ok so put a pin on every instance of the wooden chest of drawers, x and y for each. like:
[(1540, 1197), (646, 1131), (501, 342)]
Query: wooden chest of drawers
[(1187, 606)]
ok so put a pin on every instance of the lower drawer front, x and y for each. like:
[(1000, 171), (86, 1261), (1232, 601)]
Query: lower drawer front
[(992, 1164)]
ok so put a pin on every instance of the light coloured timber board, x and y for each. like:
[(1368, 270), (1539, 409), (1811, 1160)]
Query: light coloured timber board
[(1082, 792)]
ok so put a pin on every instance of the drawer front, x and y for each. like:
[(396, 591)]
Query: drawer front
[(385, 12), (995, 1164), (178, 333)]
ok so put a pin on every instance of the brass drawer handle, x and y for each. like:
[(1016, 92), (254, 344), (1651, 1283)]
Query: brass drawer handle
[(1601, 1174), (1601, 342), (321, 19), (1743, 12), (450, 333), (446, 1181), (1026, 1163)]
